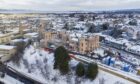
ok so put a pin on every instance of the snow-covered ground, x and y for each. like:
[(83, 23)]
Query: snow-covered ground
[(9, 80), (39, 63)]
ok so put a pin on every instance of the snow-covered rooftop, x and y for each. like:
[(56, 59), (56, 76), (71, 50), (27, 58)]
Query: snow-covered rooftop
[(31, 34), (6, 47), (135, 47)]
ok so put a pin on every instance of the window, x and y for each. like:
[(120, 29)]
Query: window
[(82, 44)]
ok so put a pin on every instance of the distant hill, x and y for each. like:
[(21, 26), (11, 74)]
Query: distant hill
[(16, 11), (123, 11)]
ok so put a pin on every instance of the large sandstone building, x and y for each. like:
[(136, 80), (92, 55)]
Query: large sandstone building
[(72, 41)]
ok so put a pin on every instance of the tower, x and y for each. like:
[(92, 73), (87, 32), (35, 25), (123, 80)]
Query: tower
[(21, 28), (41, 29)]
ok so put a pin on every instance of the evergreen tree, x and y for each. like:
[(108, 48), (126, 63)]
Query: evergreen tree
[(82, 18), (80, 70), (116, 32), (92, 71), (20, 46), (61, 59), (64, 67), (66, 26), (105, 26), (92, 29), (133, 22)]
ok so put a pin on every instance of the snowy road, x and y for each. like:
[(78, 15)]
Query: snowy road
[(124, 53)]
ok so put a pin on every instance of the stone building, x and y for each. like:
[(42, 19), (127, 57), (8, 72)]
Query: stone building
[(49, 37), (6, 52), (42, 29), (82, 44), (88, 44), (5, 38)]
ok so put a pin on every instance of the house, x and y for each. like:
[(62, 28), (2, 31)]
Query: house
[(6, 52), (32, 36), (138, 71), (5, 38)]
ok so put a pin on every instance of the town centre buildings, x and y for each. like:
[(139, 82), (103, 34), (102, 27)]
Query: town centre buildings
[(82, 43)]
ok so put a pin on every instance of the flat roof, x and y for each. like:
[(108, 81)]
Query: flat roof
[(6, 47)]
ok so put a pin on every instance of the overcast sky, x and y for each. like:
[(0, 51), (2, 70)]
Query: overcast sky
[(70, 5)]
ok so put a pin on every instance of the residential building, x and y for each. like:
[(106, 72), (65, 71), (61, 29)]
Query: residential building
[(88, 44), (5, 38), (6, 52)]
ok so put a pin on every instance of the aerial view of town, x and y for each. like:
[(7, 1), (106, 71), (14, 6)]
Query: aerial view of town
[(69, 41)]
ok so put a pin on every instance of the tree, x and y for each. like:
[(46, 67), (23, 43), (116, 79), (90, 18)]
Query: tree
[(105, 26), (20, 46), (66, 26), (80, 70), (92, 29), (64, 67), (116, 32), (133, 22), (81, 18), (93, 18), (109, 53), (61, 59), (72, 15), (2, 69), (101, 81), (92, 71), (130, 16)]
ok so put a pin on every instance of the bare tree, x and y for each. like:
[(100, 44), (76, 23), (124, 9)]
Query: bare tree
[(101, 81)]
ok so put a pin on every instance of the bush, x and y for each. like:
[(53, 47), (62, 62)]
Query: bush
[(92, 71), (80, 70)]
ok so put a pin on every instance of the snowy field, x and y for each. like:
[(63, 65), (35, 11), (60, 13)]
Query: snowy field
[(39, 63)]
